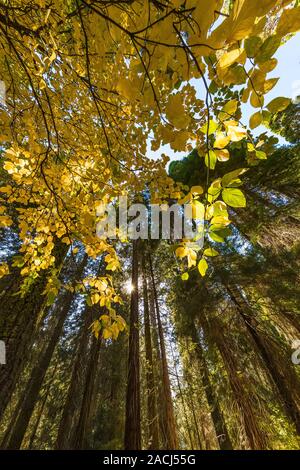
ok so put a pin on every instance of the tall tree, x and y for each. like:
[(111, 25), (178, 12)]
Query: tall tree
[(170, 439), (132, 438), (21, 315), (28, 400), (152, 413)]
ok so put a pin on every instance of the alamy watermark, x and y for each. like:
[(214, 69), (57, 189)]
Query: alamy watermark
[(2, 353), (296, 353), (151, 221), (2, 93)]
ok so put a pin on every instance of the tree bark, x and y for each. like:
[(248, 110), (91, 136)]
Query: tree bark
[(28, 401), (18, 320), (170, 431), (132, 439), (256, 437), (80, 440), (72, 405), (153, 430), (289, 392), (216, 413)]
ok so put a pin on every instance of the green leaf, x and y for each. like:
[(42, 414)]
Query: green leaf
[(213, 126), (210, 252), (261, 155), (219, 235), (252, 45), (216, 237), (203, 267), (211, 160), (229, 177), (268, 48), (214, 190), (185, 276), (279, 104), (266, 116), (234, 197)]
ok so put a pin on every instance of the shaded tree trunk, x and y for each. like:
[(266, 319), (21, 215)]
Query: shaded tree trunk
[(80, 438), (72, 405), (285, 380), (150, 380), (18, 320), (170, 431), (132, 439), (256, 437), (41, 409), (216, 413), (28, 401)]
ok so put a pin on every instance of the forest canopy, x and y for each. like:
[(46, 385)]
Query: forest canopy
[(120, 343)]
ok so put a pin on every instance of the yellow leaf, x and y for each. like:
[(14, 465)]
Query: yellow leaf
[(256, 120), (197, 210), (4, 270), (289, 21), (269, 84), (278, 104), (202, 267), (268, 66), (210, 252), (9, 167), (214, 190), (197, 190), (223, 155), (228, 110), (221, 141), (235, 132), (256, 100), (106, 334), (181, 252), (230, 58)]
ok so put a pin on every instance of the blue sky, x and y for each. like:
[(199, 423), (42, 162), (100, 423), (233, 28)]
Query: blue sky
[(288, 69)]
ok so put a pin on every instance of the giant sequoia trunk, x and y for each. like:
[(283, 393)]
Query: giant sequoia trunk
[(152, 416), (28, 400), (132, 439), (72, 405), (256, 437), (212, 400), (19, 317), (283, 376), (80, 437), (77, 412), (170, 439)]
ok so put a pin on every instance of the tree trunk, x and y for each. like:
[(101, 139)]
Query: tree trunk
[(41, 409), (28, 401), (170, 431), (286, 380), (216, 413), (187, 423), (132, 440), (18, 319), (80, 436), (153, 432), (256, 437), (72, 405)]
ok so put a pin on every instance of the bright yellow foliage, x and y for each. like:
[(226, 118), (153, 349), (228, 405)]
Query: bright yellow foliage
[(89, 84)]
